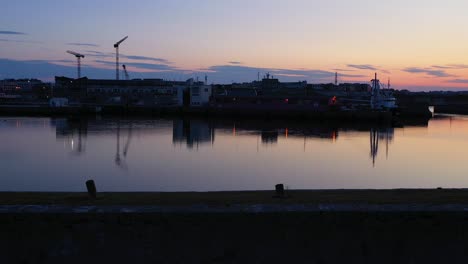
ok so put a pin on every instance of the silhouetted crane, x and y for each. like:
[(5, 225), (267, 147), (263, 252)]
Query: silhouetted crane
[(78, 57), (116, 46), (127, 77)]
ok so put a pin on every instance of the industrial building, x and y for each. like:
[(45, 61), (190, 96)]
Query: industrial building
[(136, 92), (24, 89)]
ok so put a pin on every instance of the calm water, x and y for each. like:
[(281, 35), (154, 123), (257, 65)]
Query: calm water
[(44, 154)]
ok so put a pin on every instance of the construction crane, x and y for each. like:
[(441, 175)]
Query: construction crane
[(127, 77), (116, 46), (78, 57)]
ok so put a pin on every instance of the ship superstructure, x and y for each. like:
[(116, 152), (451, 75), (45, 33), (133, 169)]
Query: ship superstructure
[(382, 98)]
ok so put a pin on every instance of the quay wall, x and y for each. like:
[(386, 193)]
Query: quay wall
[(286, 237), (293, 113)]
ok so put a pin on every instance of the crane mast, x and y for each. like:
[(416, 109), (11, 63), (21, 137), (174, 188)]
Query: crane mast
[(116, 46), (78, 57)]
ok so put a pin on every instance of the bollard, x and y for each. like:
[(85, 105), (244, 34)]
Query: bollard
[(91, 189), (279, 190)]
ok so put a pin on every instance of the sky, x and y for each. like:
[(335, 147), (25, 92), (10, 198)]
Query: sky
[(419, 45)]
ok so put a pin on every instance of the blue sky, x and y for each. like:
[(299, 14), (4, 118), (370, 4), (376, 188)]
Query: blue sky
[(418, 44)]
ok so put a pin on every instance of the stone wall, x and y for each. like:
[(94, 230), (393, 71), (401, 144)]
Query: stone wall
[(234, 238)]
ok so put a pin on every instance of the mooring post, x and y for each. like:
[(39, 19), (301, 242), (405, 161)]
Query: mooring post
[(279, 190), (91, 186)]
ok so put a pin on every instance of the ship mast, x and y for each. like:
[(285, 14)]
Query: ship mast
[(375, 82), (375, 92)]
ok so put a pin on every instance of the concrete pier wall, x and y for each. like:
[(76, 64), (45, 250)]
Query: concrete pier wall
[(287, 237)]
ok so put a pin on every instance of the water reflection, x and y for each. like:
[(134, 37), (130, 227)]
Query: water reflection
[(121, 163), (195, 133), (73, 132), (378, 135), (43, 154), (269, 137), (192, 132)]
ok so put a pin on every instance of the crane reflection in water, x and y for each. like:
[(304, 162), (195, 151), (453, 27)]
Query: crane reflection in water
[(118, 159)]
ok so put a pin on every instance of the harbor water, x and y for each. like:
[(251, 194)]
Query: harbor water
[(146, 155)]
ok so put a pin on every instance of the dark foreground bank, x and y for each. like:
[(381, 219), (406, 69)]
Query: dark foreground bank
[(255, 236), (339, 237)]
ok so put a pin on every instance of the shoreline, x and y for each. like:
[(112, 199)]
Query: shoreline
[(297, 112)]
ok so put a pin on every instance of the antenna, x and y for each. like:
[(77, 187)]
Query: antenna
[(116, 46), (78, 57), (375, 81), (336, 78)]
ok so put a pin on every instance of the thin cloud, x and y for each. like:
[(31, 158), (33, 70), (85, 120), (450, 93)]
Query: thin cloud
[(428, 71), (20, 41), (145, 66), (135, 57), (99, 54), (343, 70), (149, 66), (462, 81), (235, 62), (362, 67), (94, 51), (60, 62), (441, 67), (451, 66), (458, 66), (83, 44), (6, 32)]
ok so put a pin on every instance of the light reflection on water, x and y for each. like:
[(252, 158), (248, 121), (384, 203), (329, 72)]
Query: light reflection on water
[(44, 154)]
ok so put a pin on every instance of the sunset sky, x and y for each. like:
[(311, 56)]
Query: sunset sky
[(419, 45)]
